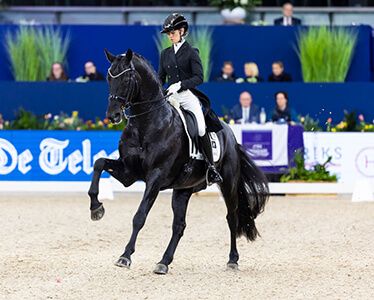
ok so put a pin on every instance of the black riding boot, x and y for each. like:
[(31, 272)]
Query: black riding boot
[(212, 174)]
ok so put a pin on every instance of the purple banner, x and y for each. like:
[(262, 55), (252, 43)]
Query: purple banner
[(258, 144)]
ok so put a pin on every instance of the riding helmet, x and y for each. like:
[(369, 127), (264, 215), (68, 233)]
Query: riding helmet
[(175, 22)]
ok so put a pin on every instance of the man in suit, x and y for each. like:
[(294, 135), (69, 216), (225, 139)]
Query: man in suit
[(246, 111), (227, 74), (287, 19)]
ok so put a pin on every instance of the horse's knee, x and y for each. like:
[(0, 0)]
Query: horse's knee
[(179, 228), (99, 164)]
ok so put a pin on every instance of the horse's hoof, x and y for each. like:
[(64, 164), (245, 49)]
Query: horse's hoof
[(161, 269), (98, 213), (232, 267), (123, 262)]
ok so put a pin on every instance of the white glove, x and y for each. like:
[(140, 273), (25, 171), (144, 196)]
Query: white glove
[(174, 88)]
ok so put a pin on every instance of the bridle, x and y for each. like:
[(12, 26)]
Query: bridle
[(126, 102)]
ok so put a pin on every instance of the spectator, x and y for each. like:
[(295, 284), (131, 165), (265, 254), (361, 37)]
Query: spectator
[(282, 112), (246, 111), (251, 74), (91, 74), (57, 73), (287, 19), (278, 74), (227, 74)]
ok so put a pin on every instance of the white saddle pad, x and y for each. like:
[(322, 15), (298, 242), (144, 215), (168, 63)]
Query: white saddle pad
[(194, 152)]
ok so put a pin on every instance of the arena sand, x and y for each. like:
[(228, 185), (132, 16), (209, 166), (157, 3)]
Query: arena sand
[(309, 249)]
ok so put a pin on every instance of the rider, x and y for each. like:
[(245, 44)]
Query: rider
[(182, 66)]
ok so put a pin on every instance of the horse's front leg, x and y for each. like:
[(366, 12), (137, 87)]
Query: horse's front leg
[(117, 169), (151, 191), (179, 205)]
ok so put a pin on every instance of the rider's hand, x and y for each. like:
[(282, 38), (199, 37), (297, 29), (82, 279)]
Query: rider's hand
[(174, 88)]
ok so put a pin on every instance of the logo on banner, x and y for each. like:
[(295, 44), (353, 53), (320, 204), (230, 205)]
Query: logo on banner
[(53, 158), (365, 162), (258, 144)]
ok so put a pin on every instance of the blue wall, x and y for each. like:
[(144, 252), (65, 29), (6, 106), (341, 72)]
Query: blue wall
[(90, 99), (239, 44)]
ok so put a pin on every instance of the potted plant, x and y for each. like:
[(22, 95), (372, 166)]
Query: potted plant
[(325, 54), (298, 173), (235, 11)]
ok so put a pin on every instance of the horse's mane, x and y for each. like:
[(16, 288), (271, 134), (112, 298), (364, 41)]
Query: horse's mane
[(149, 68)]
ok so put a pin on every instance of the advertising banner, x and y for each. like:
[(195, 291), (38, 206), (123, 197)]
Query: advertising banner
[(33, 155), (352, 153)]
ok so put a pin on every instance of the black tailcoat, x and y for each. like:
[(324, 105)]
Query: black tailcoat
[(185, 66)]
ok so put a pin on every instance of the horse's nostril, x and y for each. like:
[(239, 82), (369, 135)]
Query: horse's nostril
[(117, 116)]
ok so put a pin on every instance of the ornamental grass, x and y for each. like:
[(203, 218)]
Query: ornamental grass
[(33, 50), (325, 53)]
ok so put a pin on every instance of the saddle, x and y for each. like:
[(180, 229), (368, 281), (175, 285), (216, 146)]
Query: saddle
[(191, 129)]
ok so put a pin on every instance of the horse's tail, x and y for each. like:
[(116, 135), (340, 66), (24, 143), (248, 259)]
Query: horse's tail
[(253, 193)]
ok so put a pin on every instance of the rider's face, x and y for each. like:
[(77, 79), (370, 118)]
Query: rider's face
[(174, 36)]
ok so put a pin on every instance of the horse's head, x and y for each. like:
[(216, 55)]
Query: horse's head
[(123, 84)]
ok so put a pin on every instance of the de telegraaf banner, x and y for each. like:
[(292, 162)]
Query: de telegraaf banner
[(33, 155)]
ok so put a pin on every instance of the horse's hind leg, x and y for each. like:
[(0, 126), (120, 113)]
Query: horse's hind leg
[(179, 205), (114, 167), (231, 200)]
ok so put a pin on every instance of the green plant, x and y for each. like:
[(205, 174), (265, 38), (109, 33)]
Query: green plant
[(325, 53), (231, 4), (27, 120), (53, 48), (348, 123), (201, 38), (33, 50), (309, 124), (317, 173), (162, 42), (362, 126)]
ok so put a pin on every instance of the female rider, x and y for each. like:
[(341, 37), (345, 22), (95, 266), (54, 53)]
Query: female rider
[(181, 64)]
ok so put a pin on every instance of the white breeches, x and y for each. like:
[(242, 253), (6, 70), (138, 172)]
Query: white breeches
[(190, 102)]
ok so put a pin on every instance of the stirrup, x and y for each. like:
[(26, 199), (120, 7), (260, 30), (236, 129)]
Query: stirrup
[(217, 179)]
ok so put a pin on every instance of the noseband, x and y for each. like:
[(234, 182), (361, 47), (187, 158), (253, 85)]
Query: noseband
[(126, 101)]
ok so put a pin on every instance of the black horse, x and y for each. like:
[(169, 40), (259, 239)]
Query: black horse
[(154, 148)]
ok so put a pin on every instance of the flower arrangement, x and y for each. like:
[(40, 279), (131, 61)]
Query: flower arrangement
[(27, 120), (363, 126), (231, 4), (309, 124), (348, 123)]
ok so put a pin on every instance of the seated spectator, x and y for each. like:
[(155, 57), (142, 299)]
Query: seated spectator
[(287, 19), (251, 74), (227, 73), (278, 74), (246, 111), (57, 73), (282, 112), (91, 74)]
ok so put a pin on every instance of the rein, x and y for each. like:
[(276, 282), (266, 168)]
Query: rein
[(126, 102)]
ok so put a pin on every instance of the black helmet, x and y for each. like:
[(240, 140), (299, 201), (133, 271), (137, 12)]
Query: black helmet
[(174, 22)]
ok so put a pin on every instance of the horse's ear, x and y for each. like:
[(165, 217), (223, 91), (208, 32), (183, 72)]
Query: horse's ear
[(109, 56), (129, 55)]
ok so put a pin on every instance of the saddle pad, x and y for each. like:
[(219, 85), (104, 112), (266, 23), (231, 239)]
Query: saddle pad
[(194, 152)]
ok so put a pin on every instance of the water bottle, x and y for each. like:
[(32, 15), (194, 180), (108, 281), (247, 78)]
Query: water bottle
[(262, 116)]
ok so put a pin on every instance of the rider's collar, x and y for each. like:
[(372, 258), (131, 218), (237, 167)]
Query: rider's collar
[(178, 45)]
